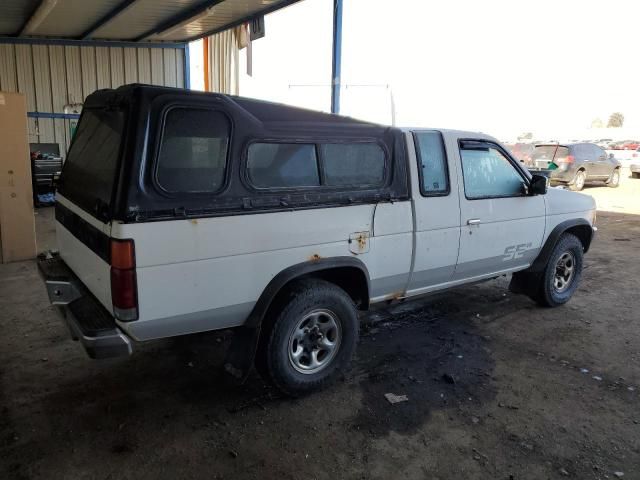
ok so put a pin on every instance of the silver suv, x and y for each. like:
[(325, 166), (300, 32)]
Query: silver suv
[(182, 212)]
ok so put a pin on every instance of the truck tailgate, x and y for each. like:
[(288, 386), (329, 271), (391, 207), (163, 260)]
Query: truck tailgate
[(83, 242)]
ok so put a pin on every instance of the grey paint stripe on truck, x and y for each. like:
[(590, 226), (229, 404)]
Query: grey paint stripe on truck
[(214, 319)]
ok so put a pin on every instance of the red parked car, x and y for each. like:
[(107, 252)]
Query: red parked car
[(630, 145)]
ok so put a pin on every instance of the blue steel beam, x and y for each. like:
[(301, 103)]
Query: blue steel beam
[(106, 18), (89, 43), (52, 115), (336, 57)]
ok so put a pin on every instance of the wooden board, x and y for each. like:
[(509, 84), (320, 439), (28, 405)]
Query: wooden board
[(17, 222)]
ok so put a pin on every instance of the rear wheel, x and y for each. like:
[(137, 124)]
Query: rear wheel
[(635, 174), (562, 274), (578, 181), (313, 337), (614, 180)]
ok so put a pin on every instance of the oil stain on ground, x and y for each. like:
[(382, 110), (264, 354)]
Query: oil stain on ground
[(433, 353)]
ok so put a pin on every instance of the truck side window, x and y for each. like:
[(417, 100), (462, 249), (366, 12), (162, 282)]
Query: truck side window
[(355, 164), (283, 165), (193, 150), (488, 173), (432, 163)]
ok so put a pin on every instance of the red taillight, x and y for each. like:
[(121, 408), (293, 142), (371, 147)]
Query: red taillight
[(123, 255), (567, 159), (124, 290)]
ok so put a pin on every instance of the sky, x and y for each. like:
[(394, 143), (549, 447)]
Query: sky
[(501, 67)]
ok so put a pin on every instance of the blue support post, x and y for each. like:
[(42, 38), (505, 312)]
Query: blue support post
[(187, 67), (336, 56)]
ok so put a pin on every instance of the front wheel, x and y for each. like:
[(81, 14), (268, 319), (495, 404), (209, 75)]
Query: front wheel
[(312, 339), (578, 181), (614, 180), (562, 274)]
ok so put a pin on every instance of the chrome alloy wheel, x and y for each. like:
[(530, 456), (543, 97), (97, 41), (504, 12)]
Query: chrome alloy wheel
[(314, 341), (565, 271)]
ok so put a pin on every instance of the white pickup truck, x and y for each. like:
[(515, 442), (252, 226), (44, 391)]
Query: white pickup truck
[(182, 212)]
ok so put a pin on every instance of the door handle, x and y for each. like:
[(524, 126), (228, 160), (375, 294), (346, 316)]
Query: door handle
[(473, 221)]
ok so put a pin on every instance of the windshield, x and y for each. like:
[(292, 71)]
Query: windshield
[(90, 171), (547, 152)]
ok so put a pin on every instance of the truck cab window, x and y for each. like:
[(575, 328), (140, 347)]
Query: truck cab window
[(488, 173), (193, 151), (432, 163)]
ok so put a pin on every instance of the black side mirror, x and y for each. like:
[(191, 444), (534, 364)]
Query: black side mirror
[(539, 185)]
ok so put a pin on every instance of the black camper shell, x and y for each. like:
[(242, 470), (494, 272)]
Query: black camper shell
[(112, 167)]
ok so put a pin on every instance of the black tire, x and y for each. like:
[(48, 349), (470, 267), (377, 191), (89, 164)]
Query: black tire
[(614, 179), (548, 295), (304, 299), (635, 174), (578, 181)]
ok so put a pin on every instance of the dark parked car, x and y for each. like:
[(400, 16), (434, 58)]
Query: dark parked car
[(576, 164)]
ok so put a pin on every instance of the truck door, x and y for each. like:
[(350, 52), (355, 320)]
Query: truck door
[(436, 212), (501, 225)]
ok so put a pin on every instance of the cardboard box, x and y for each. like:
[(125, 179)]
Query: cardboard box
[(17, 222)]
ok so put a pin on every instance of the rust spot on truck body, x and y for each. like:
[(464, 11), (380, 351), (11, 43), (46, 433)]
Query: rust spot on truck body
[(359, 242), (395, 297), (314, 258)]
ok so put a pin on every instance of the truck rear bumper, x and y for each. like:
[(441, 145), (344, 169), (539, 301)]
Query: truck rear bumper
[(87, 320)]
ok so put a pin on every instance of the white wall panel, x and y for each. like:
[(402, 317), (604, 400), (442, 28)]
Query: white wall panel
[(88, 70), (74, 74), (103, 67), (8, 78), (42, 78), (179, 69), (59, 97), (144, 65), (157, 67), (24, 71), (169, 68), (52, 76), (117, 67), (130, 65)]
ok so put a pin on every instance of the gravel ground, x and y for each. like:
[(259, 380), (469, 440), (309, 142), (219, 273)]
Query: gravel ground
[(497, 388)]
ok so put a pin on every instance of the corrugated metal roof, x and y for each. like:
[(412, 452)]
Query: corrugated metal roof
[(128, 20), (142, 16), (85, 13), (215, 18), (14, 14)]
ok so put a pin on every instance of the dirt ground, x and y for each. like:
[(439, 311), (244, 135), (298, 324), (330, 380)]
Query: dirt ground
[(497, 388)]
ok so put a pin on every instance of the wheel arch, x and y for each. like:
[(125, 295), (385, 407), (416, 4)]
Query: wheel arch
[(578, 227), (348, 273)]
